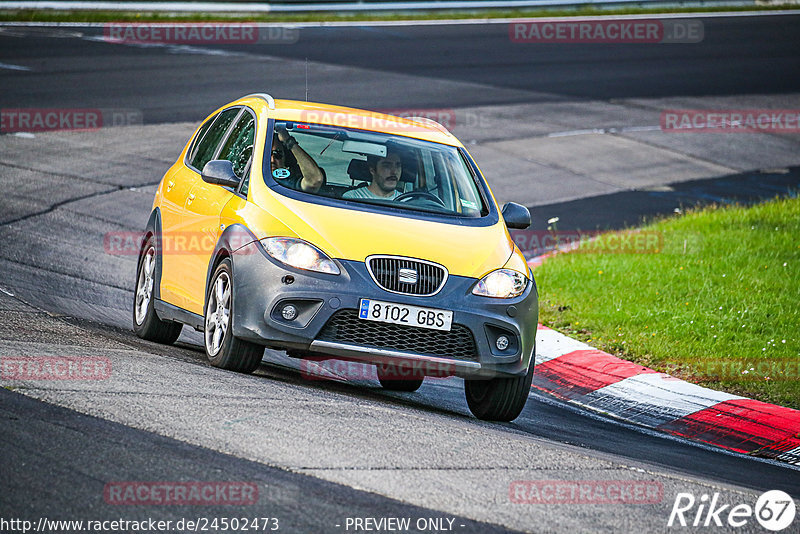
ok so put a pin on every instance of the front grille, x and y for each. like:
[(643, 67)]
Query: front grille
[(394, 274), (345, 327)]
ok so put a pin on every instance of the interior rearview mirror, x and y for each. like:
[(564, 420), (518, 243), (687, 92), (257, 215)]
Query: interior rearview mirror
[(360, 147)]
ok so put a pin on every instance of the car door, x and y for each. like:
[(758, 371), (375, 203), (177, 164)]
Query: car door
[(206, 201), (177, 184), (178, 240)]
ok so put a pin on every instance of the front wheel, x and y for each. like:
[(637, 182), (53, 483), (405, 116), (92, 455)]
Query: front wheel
[(498, 399), (222, 348), (146, 323)]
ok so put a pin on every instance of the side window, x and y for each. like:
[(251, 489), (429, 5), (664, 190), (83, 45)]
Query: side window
[(202, 132), (208, 145), (238, 149)]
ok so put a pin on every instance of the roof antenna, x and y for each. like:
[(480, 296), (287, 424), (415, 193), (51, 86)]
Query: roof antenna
[(306, 79)]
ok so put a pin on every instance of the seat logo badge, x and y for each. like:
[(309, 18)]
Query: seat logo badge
[(407, 276)]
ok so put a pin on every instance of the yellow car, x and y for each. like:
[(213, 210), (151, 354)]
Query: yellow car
[(331, 232)]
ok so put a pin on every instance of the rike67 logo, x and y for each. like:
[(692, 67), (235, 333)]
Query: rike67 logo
[(774, 510)]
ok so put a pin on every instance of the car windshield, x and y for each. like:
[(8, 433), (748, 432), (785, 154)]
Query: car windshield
[(374, 168)]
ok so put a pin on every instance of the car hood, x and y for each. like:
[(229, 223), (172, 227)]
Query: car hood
[(354, 235)]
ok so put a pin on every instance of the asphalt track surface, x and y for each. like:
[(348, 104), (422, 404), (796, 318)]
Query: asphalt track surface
[(738, 56), (57, 460)]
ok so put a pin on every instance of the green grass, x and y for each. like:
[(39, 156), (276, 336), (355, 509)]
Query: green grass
[(30, 15), (721, 297)]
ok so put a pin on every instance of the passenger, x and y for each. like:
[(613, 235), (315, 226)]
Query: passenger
[(385, 173), (292, 166)]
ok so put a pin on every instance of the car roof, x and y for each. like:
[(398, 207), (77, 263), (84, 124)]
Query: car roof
[(318, 113)]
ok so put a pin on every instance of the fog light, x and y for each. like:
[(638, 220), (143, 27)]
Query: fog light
[(502, 342), (289, 312)]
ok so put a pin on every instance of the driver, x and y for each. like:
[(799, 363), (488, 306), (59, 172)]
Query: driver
[(292, 166), (385, 173)]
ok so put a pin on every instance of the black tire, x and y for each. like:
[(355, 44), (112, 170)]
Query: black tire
[(391, 380), (226, 351), (498, 399), (146, 323)]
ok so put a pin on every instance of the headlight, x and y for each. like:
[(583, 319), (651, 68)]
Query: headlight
[(502, 283), (299, 254)]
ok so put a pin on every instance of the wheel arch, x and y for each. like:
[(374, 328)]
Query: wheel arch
[(152, 230), (231, 239)]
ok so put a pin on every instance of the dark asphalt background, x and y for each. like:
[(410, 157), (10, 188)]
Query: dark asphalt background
[(738, 56)]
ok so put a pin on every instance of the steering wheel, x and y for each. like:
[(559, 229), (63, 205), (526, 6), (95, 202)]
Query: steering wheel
[(405, 197)]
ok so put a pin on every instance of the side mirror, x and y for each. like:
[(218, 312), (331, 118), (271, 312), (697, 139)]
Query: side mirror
[(516, 216), (220, 172)]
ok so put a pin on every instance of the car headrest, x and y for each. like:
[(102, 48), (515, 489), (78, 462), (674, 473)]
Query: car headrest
[(409, 171), (359, 171)]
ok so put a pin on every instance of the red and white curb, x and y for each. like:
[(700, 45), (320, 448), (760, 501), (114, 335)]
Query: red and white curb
[(582, 375)]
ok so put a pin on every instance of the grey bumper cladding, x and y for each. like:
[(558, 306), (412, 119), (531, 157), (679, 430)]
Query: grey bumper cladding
[(326, 321)]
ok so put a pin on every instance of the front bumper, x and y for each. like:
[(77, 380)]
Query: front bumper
[(327, 323)]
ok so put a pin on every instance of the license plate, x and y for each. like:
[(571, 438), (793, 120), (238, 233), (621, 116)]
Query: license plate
[(390, 312)]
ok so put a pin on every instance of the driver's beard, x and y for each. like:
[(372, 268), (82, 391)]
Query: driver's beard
[(387, 189)]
